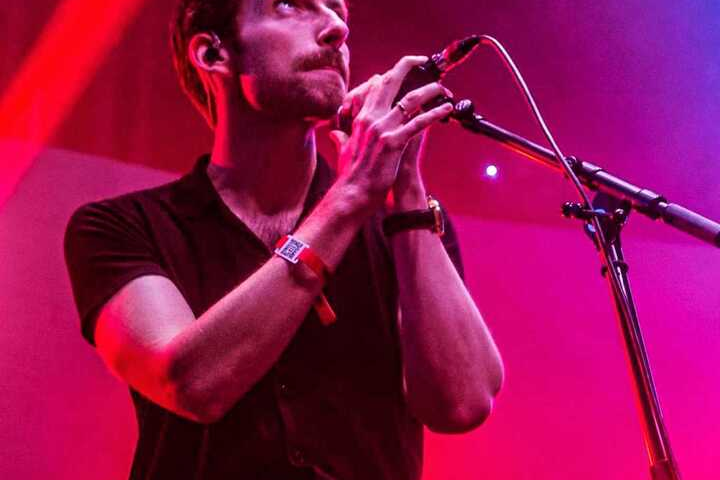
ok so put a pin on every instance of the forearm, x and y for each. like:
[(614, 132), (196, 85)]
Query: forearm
[(452, 367), (220, 356)]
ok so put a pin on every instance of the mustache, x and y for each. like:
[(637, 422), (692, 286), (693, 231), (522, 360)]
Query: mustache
[(322, 59)]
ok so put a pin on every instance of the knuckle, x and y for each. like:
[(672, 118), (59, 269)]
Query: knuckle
[(437, 87), (362, 121), (402, 62), (385, 138), (350, 98), (388, 140), (375, 128), (357, 101), (425, 121), (411, 60), (418, 125), (412, 97), (431, 90)]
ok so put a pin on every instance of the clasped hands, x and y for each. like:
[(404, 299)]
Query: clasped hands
[(383, 153)]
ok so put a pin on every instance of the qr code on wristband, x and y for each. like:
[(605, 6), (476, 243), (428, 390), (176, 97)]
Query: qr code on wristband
[(290, 251)]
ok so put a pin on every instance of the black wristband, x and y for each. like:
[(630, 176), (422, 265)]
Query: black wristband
[(412, 220), (433, 219)]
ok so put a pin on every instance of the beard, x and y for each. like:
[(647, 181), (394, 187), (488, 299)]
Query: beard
[(309, 95)]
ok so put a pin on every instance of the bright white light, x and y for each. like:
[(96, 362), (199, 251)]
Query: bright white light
[(491, 171)]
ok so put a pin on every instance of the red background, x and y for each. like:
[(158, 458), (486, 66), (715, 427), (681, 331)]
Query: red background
[(629, 85)]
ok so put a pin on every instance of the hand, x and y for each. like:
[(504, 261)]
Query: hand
[(369, 159), (408, 191)]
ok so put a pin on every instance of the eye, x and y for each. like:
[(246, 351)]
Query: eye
[(285, 4)]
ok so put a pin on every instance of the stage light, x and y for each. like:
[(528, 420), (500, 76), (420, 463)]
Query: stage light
[(491, 171)]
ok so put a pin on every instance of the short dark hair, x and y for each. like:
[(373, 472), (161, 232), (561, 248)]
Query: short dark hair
[(193, 17)]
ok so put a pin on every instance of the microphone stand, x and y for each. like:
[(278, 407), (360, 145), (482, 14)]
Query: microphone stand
[(604, 221)]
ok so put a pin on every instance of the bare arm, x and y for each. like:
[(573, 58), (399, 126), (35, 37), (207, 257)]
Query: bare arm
[(199, 368), (452, 367)]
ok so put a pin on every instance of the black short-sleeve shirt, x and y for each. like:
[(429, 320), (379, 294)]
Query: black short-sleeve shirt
[(333, 404)]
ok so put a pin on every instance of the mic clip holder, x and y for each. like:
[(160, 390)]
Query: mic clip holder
[(611, 212), (612, 215), (579, 212)]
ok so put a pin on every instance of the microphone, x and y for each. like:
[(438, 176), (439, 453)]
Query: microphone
[(431, 71)]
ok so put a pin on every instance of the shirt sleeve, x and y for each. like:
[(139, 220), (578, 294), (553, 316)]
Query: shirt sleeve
[(107, 245)]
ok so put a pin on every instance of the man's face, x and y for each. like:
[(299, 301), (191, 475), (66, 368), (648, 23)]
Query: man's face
[(293, 60)]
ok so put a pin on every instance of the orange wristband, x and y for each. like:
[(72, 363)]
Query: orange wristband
[(296, 251)]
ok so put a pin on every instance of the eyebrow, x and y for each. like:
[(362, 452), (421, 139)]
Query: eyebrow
[(258, 6)]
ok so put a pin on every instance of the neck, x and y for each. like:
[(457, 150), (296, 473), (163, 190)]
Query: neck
[(264, 163)]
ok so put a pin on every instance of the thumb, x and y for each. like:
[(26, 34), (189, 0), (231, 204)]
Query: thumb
[(339, 139), (415, 147)]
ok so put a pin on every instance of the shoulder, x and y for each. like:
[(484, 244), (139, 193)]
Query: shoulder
[(130, 208), (126, 226), (186, 196)]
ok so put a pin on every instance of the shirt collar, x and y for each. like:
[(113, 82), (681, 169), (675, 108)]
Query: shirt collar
[(194, 194)]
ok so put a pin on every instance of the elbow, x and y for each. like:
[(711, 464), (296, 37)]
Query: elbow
[(472, 411), (193, 397), (195, 403), (197, 408), (466, 409), (497, 378), (463, 418)]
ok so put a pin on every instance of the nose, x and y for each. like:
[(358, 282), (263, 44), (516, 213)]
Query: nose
[(334, 32)]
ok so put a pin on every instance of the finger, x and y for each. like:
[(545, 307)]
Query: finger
[(421, 122), (411, 103), (414, 146), (356, 97), (392, 79), (339, 139), (365, 111)]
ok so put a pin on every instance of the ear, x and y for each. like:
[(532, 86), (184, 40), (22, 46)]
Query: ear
[(207, 53)]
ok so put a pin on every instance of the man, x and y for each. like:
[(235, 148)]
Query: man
[(242, 364)]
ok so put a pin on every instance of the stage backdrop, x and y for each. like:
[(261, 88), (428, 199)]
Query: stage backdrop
[(89, 107)]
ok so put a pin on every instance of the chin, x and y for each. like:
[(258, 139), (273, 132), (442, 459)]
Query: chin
[(322, 105), (302, 99), (319, 119), (326, 110)]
